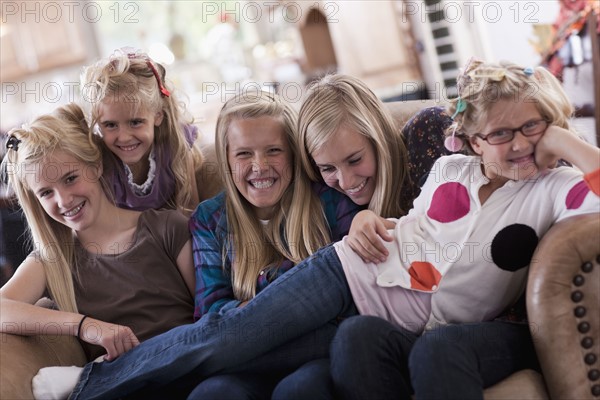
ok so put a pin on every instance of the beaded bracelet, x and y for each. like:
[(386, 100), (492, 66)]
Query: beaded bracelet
[(79, 328)]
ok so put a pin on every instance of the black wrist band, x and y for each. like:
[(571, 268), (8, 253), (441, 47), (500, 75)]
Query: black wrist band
[(79, 328)]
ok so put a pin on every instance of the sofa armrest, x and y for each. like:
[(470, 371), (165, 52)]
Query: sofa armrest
[(22, 356), (563, 299)]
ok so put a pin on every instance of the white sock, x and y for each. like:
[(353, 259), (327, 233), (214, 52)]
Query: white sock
[(56, 383)]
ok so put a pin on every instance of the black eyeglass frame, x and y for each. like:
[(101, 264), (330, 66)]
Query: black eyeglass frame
[(514, 131)]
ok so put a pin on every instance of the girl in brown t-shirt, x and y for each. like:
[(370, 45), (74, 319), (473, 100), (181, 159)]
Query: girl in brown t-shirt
[(117, 276)]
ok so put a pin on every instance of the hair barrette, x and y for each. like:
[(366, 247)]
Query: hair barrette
[(461, 106), (132, 54), (163, 90), (528, 71), (453, 143), (495, 75), (13, 143)]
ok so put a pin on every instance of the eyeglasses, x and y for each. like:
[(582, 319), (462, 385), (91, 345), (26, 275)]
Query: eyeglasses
[(502, 136)]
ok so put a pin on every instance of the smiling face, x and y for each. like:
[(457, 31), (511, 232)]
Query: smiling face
[(127, 129), (68, 190), (513, 160), (260, 161), (347, 163)]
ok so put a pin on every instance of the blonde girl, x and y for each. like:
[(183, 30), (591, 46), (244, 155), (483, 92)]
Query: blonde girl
[(98, 262), (348, 139), (142, 123), (269, 217)]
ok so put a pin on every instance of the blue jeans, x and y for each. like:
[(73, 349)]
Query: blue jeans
[(235, 387), (459, 361), (369, 359), (312, 381), (303, 300), (309, 382)]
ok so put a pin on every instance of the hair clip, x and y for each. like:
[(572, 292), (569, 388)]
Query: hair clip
[(528, 71), (461, 106), (163, 90), (495, 74), (13, 143), (136, 54), (453, 143)]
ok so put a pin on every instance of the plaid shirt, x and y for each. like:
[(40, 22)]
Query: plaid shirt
[(208, 225)]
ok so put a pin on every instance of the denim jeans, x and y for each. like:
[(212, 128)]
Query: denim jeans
[(235, 386), (305, 299), (312, 381), (291, 360), (369, 359), (459, 361)]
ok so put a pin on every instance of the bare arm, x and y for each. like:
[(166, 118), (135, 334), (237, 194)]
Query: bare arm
[(185, 264), (19, 315)]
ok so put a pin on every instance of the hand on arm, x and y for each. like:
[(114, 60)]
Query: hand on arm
[(367, 233), (558, 143)]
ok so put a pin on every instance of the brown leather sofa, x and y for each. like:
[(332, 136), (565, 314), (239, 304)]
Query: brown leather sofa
[(563, 300)]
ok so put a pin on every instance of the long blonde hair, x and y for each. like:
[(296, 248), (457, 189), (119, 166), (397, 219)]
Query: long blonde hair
[(341, 100), (136, 79), (65, 130), (481, 85), (298, 227)]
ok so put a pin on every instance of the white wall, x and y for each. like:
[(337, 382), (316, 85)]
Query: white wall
[(507, 26)]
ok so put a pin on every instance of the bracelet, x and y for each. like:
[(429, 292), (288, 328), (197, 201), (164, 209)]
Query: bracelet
[(79, 328)]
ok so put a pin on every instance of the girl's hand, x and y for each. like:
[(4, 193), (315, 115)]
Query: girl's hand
[(366, 234), (116, 339), (548, 148), (558, 143)]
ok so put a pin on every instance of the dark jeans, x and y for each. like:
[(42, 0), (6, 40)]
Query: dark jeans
[(464, 359), (369, 359), (374, 359), (312, 381)]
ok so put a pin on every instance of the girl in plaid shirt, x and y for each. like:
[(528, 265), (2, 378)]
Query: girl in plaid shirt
[(269, 218)]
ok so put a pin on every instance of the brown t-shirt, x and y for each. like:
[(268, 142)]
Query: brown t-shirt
[(141, 287)]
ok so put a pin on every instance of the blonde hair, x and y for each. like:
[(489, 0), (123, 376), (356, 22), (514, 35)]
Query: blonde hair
[(64, 130), (341, 100), (131, 78), (298, 227), (481, 85)]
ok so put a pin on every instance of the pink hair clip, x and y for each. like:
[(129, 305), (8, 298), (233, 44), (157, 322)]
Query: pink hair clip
[(453, 143)]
